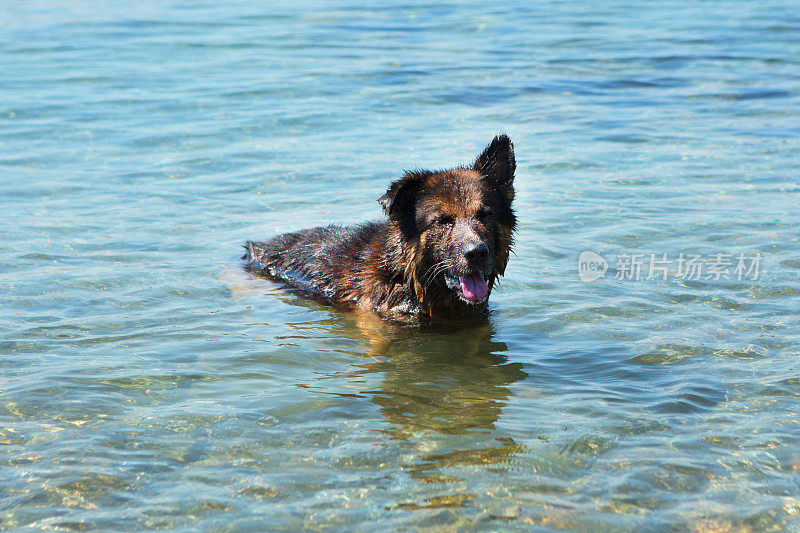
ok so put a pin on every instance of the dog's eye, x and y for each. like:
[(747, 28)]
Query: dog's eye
[(444, 220), (484, 213)]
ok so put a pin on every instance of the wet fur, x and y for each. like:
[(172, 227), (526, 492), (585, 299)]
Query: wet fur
[(396, 267)]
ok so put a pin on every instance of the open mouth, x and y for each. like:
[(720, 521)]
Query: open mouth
[(472, 288)]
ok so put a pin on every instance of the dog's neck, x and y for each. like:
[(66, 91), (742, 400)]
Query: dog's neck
[(407, 262)]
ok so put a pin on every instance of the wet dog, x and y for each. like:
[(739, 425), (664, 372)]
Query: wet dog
[(447, 238)]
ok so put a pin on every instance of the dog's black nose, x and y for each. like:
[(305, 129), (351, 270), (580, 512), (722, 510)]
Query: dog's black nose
[(476, 252)]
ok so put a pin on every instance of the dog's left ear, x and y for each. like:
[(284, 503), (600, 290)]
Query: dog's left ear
[(400, 196), (498, 164)]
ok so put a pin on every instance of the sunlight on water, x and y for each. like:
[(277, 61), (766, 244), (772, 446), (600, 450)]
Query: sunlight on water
[(149, 383)]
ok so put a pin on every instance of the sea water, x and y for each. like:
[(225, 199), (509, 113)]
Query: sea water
[(639, 368)]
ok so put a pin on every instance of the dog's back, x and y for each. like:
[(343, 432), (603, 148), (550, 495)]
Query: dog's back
[(331, 262)]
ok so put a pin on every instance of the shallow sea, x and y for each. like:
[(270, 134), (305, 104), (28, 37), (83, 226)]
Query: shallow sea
[(146, 382)]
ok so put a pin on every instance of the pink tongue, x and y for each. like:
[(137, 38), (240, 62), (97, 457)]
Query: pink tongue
[(473, 287)]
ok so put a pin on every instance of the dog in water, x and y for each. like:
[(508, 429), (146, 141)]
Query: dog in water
[(446, 240)]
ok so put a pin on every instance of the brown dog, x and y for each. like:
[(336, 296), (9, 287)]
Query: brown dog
[(446, 240)]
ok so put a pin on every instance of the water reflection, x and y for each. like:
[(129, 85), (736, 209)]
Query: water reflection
[(448, 379), (440, 389)]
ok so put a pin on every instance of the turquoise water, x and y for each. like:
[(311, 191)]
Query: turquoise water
[(148, 383)]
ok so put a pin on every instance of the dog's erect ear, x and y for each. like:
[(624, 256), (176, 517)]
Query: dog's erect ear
[(498, 164), (400, 195)]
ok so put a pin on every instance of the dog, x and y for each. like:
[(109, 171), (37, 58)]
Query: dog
[(445, 242)]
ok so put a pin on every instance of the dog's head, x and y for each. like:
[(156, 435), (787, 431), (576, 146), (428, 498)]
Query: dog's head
[(456, 226)]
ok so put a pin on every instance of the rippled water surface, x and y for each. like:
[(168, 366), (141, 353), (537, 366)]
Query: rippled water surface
[(148, 383)]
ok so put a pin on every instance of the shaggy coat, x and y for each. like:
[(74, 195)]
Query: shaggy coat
[(446, 239)]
